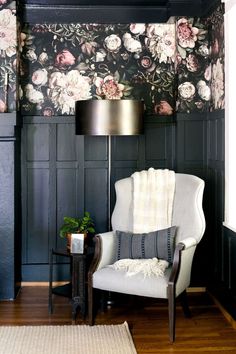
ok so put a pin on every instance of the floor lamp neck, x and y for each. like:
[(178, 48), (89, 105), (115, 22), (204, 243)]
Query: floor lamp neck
[(109, 183)]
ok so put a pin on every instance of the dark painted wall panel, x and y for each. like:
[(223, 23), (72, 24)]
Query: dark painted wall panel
[(66, 148), (7, 219), (38, 142), (194, 141), (96, 196), (156, 142), (37, 215), (125, 148), (66, 198), (95, 148)]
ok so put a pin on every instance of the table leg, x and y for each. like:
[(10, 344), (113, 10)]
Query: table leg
[(78, 286)]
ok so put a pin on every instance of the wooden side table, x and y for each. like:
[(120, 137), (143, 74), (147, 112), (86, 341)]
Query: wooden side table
[(76, 289)]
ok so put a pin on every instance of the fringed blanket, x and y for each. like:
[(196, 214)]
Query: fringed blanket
[(147, 267), (153, 196)]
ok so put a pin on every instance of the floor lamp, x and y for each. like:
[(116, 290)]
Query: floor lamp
[(109, 117)]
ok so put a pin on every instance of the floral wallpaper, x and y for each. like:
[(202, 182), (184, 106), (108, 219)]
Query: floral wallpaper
[(172, 67), (63, 63), (8, 60), (200, 63)]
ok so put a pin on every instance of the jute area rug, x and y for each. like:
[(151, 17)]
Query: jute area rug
[(82, 339)]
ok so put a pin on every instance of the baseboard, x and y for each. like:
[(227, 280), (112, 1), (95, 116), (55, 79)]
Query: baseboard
[(58, 283), (226, 314), (196, 289), (42, 283)]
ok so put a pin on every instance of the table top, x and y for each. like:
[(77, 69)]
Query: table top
[(66, 253)]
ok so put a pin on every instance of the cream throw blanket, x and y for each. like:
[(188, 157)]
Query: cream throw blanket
[(153, 197), (148, 267)]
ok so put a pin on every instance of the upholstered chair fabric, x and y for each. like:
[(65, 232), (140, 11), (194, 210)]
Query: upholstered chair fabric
[(189, 219)]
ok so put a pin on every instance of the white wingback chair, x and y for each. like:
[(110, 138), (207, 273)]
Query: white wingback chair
[(189, 218)]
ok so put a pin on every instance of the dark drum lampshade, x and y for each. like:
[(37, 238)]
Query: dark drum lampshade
[(109, 117)]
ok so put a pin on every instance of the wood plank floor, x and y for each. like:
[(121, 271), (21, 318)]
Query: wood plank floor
[(206, 332)]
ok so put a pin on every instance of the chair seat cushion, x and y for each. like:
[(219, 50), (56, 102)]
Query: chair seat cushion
[(112, 280)]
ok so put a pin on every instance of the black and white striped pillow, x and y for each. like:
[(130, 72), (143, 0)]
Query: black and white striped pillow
[(159, 244)]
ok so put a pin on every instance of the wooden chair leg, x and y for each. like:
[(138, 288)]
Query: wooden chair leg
[(172, 310), (90, 304), (184, 302)]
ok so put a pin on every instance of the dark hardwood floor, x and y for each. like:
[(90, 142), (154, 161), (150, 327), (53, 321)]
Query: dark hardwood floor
[(206, 332)]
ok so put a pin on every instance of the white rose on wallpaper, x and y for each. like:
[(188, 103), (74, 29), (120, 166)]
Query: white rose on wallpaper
[(203, 90), (31, 55), (100, 55), (40, 77), (186, 90), (112, 43), (8, 32), (65, 89), (34, 96), (217, 84), (203, 50), (137, 28), (43, 58), (131, 45), (161, 43)]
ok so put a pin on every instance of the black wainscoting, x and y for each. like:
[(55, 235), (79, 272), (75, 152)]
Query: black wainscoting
[(10, 226), (64, 174)]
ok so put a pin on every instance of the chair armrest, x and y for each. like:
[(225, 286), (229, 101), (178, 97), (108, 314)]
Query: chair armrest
[(188, 242), (105, 251), (182, 264)]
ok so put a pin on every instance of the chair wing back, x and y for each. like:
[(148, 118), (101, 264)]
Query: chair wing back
[(187, 215)]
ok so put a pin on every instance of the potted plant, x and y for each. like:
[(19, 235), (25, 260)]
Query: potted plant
[(83, 225)]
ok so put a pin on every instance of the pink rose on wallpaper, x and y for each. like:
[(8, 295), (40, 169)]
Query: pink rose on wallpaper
[(109, 88), (192, 63), (64, 58), (217, 84), (186, 33), (40, 77), (163, 108), (48, 112), (146, 62), (207, 73), (215, 47), (2, 106)]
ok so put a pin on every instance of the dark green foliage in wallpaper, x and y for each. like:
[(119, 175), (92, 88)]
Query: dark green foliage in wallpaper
[(8, 62)]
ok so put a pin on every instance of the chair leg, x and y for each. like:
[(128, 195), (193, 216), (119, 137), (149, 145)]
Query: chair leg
[(171, 309), (184, 302), (90, 304)]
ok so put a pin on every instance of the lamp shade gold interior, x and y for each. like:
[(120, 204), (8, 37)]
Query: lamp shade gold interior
[(109, 117)]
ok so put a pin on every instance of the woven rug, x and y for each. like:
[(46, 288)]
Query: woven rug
[(100, 339)]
